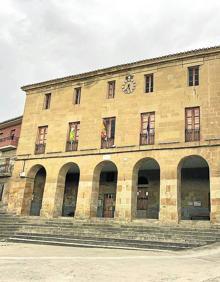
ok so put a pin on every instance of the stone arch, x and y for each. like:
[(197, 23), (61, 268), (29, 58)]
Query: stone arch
[(34, 190), (194, 188), (104, 189), (67, 190), (146, 189)]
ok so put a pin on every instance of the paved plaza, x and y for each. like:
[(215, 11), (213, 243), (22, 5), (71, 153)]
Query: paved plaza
[(24, 262)]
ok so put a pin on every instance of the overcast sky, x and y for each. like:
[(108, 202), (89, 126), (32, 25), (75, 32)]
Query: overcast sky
[(46, 39)]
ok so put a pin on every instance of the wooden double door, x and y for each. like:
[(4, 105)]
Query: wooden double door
[(109, 205), (142, 198)]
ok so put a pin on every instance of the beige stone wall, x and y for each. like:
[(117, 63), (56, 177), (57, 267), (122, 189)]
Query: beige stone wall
[(168, 160), (170, 97), (4, 180)]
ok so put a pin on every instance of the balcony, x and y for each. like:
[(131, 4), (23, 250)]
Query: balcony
[(108, 143), (147, 139), (71, 146), (192, 135), (8, 143), (5, 169), (39, 149)]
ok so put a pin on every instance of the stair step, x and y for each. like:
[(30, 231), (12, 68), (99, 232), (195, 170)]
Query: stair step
[(100, 244), (67, 231), (68, 237)]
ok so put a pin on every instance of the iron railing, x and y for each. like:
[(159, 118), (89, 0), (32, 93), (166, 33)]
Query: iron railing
[(147, 139), (40, 148), (71, 146), (5, 169), (192, 135), (9, 140), (107, 143)]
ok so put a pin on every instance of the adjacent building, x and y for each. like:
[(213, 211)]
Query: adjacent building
[(137, 141), (9, 136)]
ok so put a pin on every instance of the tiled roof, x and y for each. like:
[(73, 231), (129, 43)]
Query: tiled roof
[(5, 123), (170, 57)]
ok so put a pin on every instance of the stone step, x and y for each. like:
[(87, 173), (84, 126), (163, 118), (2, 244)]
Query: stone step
[(99, 242), (71, 222), (154, 237), (123, 231), (68, 231), (113, 228), (110, 231)]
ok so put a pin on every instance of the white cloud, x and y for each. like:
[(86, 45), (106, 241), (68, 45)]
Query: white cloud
[(41, 40)]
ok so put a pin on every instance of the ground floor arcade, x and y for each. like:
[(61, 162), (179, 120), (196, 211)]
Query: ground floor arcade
[(166, 185)]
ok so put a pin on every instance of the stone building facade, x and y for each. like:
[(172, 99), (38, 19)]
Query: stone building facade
[(9, 136), (134, 141)]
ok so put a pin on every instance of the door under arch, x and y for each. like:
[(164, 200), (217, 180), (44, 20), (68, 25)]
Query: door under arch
[(147, 187), (107, 189), (38, 191), (70, 193), (194, 188)]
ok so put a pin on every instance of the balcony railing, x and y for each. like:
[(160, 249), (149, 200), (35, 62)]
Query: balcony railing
[(108, 143), (147, 139), (5, 169), (71, 146), (192, 135), (40, 148), (8, 142)]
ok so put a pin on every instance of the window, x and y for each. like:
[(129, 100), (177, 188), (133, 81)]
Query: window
[(192, 124), (108, 133), (111, 89), (147, 128), (73, 136), (1, 191), (47, 100), (77, 95), (12, 134), (149, 83), (193, 76), (41, 140)]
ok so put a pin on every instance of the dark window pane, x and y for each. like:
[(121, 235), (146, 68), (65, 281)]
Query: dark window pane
[(193, 73), (112, 128), (77, 93)]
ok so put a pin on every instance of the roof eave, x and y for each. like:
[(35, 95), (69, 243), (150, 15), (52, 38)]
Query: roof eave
[(123, 67)]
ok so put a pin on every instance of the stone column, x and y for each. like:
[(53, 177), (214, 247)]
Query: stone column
[(16, 187), (124, 196), (214, 194), (16, 195), (86, 205), (170, 209), (49, 195)]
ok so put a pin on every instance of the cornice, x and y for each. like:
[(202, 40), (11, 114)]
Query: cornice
[(125, 67)]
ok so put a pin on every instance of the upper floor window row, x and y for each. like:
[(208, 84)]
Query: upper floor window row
[(147, 131), (76, 98), (193, 80)]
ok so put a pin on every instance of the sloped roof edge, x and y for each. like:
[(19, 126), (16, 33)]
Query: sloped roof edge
[(9, 121), (102, 71)]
